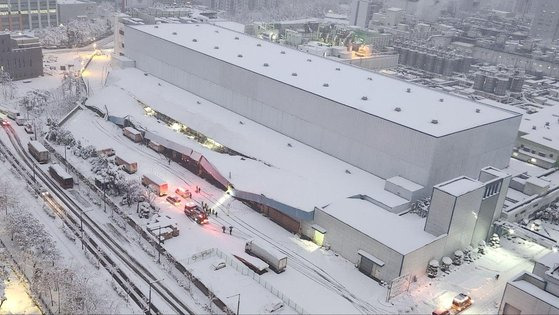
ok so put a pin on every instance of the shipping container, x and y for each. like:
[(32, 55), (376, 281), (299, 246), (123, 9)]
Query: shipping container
[(106, 152), (156, 147), (13, 115), (20, 121), (127, 165), (38, 151), (155, 183), (61, 176), (132, 134), (276, 260)]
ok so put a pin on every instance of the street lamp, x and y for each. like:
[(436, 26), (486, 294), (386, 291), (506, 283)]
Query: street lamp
[(149, 295), (238, 295)]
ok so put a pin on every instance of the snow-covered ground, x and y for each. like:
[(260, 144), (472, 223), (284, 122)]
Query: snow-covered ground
[(316, 279), (71, 254), (476, 279)]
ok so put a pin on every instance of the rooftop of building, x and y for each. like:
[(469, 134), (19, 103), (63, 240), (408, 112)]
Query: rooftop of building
[(279, 168), (430, 112), (530, 284), (459, 186), (546, 124), (403, 234)]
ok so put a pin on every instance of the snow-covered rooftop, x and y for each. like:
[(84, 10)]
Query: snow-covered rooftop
[(422, 109), (404, 233), (459, 186), (546, 124), (296, 175)]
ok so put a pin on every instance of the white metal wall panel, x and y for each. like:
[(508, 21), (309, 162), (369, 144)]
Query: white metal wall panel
[(368, 142)]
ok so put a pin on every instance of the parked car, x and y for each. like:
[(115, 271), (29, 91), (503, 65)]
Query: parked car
[(461, 302), (440, 311), (174, 200), (5, 122), (28, 128), (183, 192)]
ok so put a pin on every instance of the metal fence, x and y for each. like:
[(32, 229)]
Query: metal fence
[(245, 271)]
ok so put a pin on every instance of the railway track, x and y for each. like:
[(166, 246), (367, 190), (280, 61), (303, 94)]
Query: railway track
[(104, 245)]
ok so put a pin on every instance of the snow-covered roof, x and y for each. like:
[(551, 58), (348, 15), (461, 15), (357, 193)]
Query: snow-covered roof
[(459, 186), (60, 171), (546, 124), (404, 233), (549, 260), (296, 175), (405, 183), (420, 109)]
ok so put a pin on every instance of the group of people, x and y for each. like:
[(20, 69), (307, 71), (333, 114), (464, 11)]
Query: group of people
[(208, 210), (230, 229)]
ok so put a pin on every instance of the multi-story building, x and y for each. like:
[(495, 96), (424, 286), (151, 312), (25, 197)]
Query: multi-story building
[(545, 24), (362, 12), (68, 10), (21, 56), (396, 119), (30, 14), (536, 292)]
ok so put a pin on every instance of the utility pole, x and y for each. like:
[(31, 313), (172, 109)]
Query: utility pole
[(149, 295), (159, 247), (238, 295)]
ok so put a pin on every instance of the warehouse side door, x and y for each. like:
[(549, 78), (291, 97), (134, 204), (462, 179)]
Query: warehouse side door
[(370, 265)]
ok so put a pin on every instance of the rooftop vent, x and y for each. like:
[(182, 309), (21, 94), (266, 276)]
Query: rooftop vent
[(408, 90), (533, 127), (197, 25), (309, 60), (258, 45), (547, 123), (370, 79), (441, 100), (216, 47), (240, 56), (156, 26), (217, 31), (294, 74), (326, 85), (478, 110), (282, 52), (364, 98), (266, 64), (195, 40), (397, 109), (236, 37), (174, 33), (434, 121), (338, 69)]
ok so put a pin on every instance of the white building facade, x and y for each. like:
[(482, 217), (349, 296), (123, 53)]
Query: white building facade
[(378, 136)]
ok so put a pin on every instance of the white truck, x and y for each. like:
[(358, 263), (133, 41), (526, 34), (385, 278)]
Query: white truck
[(276, 260)]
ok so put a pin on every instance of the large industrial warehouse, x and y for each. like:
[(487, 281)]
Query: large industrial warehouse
[(381, 125), (407, 142)]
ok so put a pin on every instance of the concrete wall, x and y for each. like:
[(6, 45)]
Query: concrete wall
[(463, 221), (366, 141), (415, 263), (526, 302), (440, 213), (346, 241)]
